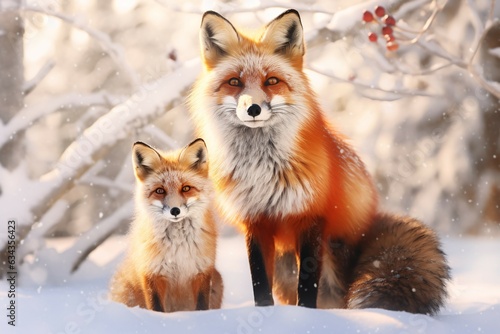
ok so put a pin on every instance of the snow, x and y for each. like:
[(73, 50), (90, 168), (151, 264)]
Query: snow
[(80, 305)]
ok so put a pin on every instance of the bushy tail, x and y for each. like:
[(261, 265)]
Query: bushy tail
[(400, 267)]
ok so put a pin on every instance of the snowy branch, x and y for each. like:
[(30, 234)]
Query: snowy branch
[(346, 22), (481, 29), (29, 115), (146, 105), (35, 239), (97, 234), (150, 102), (114, 51)]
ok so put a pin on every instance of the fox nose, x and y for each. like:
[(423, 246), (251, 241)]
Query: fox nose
[(254, 110), (175, 211)]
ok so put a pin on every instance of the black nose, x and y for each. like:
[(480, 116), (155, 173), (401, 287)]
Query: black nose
[(254, 110), (175, 211)]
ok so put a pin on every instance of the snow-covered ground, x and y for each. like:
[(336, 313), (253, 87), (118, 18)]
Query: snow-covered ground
[(80, 305)]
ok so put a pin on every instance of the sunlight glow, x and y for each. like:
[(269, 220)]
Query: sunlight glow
[(124, 6)]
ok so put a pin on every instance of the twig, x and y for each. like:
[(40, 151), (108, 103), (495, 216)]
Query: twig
[(427, 24), (371, 87), (30, 85), (429, 71), (437, 50)]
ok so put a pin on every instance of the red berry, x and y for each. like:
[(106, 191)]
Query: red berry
[(372, 37), (380, 11), (367, 16), (389, 37), (386, 30), (392, 46), (389, 20)]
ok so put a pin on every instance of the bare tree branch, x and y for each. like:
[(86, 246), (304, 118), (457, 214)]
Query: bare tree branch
[(393, 94), (113, 50), (30, 85)]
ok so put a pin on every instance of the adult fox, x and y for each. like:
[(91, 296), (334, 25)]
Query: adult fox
[(300, 193)]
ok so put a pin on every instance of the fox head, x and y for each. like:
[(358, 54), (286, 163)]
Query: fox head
[(252, 80), (171, 186)]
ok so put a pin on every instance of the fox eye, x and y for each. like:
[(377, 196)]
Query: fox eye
[(234, 82), (186, 189), (271, 81), (160, 191)]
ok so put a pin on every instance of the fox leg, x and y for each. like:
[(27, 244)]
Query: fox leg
[(336, 266), (154, 289), (201, 288), (285, 277), (216, 290), (310, 252), (261, 259)]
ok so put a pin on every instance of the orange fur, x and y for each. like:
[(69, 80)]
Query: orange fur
[(339, 190), (282, 173), (170, 262)]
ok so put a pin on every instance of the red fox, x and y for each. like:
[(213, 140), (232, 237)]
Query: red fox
[(302, 196), (170, 262)]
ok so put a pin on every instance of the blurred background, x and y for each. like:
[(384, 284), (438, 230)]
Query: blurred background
[(80, 81)]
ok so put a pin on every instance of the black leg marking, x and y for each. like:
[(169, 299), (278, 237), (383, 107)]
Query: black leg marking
[(310, 267), (203, 298), (156, 302), (261, 288), (202, 302)]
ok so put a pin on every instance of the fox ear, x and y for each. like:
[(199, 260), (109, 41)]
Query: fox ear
[(217, 36), (145, 159), (194, 156), (285, 34)]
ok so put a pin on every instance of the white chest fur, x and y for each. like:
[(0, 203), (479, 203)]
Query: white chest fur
[(180, 248), (258, 161)]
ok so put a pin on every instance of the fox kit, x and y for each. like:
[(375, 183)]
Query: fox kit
[(170, 262), (300, 193)]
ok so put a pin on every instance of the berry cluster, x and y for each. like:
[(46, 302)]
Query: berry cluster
[(387, 22)]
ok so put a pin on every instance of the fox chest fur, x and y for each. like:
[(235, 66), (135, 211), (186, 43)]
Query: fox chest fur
[(177, 250), (259, 177)]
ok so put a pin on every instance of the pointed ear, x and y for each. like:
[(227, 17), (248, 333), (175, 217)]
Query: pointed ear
[(145, 159), (217, 37), (285, 35), (194, 156)]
